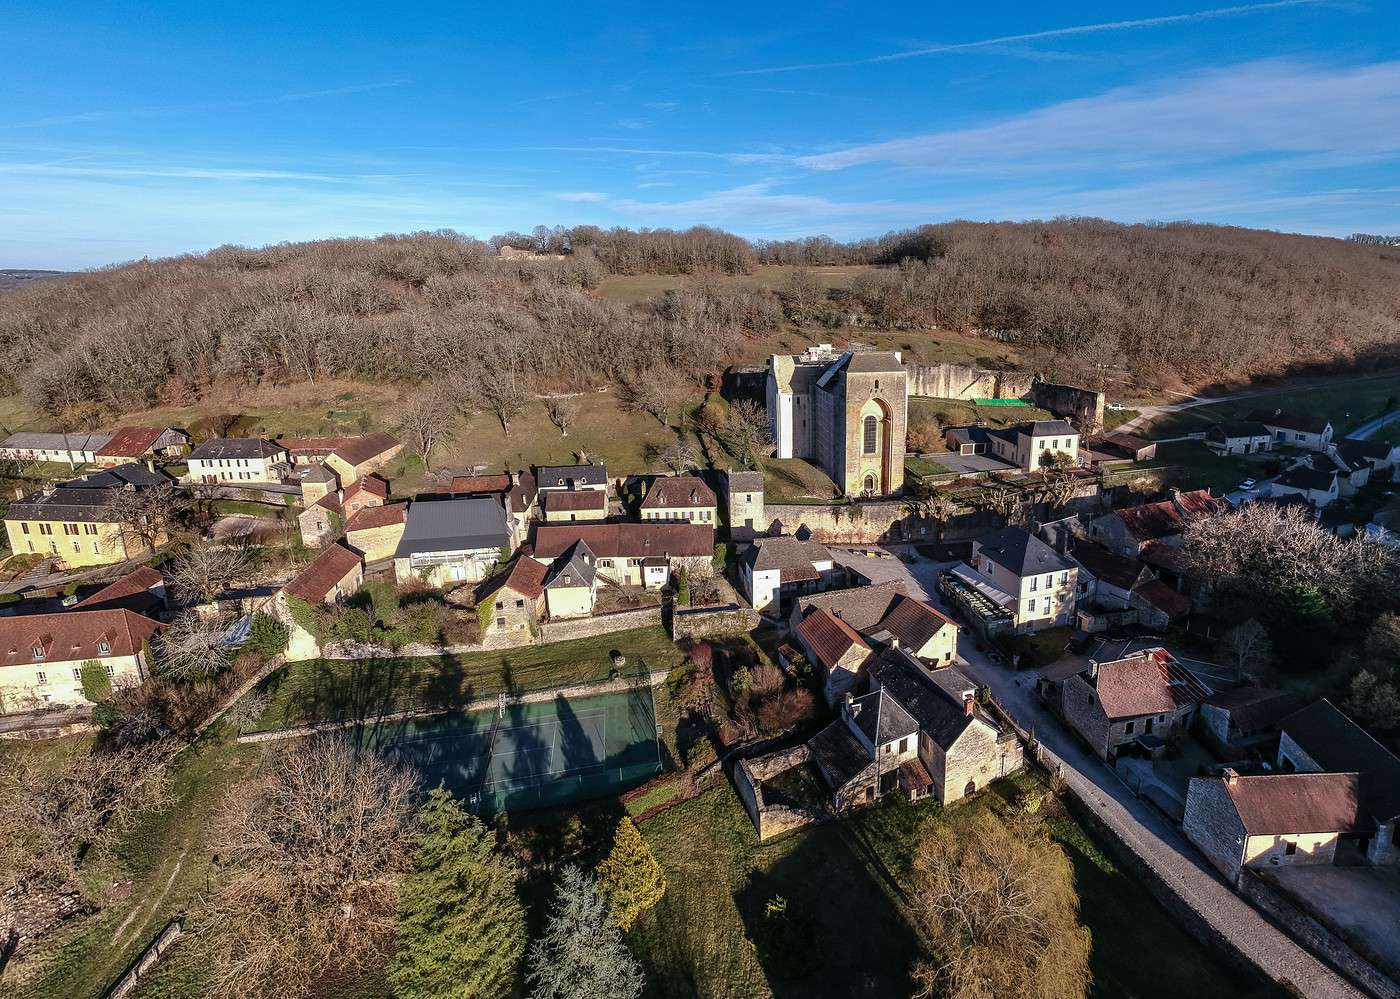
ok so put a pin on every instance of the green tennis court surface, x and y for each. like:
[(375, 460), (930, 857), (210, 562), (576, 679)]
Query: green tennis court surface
[(531, 755)]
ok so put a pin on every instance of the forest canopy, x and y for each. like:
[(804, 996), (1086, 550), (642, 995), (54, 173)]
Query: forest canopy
[(1172, 303)]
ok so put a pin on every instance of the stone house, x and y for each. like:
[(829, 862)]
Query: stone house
[(330, 515), (573, 505), (134, 444), (74, 522), (1275, 820), (886, 617), (1318, 486), (375, 531), (1132, 529), (848, 413), (316, 481), (42, 655), (681, 498), (141, 591), (332, 576), (1320, 739), (1118, 448), (1139, 701), (1235, 722), (1030, 446), (630, 554), (1032, 582), (1311, 433), (835, 648), (551, 477), (237, 460), (516, 597), (1239, 437), (571, 584), (776, 571), (921, 732), (448, 541), (744, 496), (356, 457)]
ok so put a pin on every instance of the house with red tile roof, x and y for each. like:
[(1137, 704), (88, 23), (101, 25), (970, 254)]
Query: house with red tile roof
[(133, 444), (629, 554), (329, 578), (834, 648), (375, 531), (1129, 531), (141, 591), (680, 497), (515, 596), (42, 655)]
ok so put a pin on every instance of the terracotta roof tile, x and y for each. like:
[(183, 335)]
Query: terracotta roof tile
[(828, 638), (914, 622), (73, 635), (372, 517), (564, 500), (679, 492), (358, 450), (525, 576), (315, 582), (627, 540), (1147, 683), (1279, 804), (134, 586), (129, 442)]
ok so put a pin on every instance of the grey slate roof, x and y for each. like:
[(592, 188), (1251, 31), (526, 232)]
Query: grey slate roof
[(557, 476), (746, 482), (1236, 430), (1291, 421), (873, 361), (114, 478), (882, 718), (1046, 428), (454, 525), (862, 607), (1306, 477), (76, 505), (840, 753), (225, 448), (576, 567), (35, 441), (793, 557), (931, 705), (1023, 553), (1339, 745), (1371, 449)]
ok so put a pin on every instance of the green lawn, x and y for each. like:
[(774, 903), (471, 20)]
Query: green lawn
[(1347, 402), (845, 932), (347, 690), (1197, 467), (796, 480), (956, 412)]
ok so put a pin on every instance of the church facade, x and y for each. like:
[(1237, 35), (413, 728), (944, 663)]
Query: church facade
[(846, 412)]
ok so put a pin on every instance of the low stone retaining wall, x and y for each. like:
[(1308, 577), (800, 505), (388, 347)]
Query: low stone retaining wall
[(128, 982), (708, 622), (773, 820), (1316, 937), (600, 624), (652, 679)]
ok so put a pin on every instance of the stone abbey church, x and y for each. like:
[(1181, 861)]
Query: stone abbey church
[(846, 412)]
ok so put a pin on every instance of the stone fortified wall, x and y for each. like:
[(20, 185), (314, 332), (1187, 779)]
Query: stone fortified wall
[(961, 381), (1084, 407)]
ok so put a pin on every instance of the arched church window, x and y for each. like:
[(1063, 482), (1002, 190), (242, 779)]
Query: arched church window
[(870, 434), (870, 484)]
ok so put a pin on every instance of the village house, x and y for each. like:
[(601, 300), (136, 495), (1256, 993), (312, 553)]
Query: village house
[(1236, 722), (1130, 530), (836, 650), (1140, 701), (330, 515), (549, 477), (571, 585), (776, 571), (919, 732), (356, 457), (449, 541), (1318, 486), (141, 591), (1274, 820), (75, 522), (681, 498), (134, 444), (1239, 437), (332, 576), (1034, 585), (630, 554), (1352, 472), (237, 460), (567, 506), (515, 597), (1311, 433), (744, 497), (1118, 448), (886, 616), (515, 491), (1379, 454), (1122, 587), (1033, 446), (70, 449), (375, 531), (42, 655)]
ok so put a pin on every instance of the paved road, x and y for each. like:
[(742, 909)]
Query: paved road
[(1148, 833)]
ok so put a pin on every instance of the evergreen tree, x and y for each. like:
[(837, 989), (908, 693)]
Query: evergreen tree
[(581, 955), (630, 878), (460, 925)]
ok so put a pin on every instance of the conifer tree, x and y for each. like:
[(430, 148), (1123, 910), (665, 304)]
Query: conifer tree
[(630, 878), (581, 954), (460, 925)]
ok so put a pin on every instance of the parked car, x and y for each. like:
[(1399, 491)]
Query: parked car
[(1248, 486)]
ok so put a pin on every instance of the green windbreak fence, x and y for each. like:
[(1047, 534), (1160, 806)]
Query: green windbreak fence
[(531, 755), (1000, 402)]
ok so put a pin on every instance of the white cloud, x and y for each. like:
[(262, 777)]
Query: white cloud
[(995, 44), (583, 196), (1264, 108), (636, 124)]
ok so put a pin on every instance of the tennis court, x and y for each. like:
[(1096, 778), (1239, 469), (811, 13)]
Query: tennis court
[(531, 755)]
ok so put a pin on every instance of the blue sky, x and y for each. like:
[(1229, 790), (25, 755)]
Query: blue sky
[(141, 129)]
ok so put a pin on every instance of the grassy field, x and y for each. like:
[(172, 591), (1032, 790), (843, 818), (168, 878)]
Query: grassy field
[(796, 480), (1347, 402), (845, 932), (1196, 467), (341, 690)]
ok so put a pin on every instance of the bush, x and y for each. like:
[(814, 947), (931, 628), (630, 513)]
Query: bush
[(97, 685), (267, 636)]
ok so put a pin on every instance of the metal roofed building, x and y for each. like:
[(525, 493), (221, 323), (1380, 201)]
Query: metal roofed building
[(452, 541)]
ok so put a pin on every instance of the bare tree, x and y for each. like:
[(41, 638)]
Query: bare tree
[(426, 419), (1245, 648), (747, 433), (679, 456), (193, 647), (53, 808), (998, 912), (562, 413), (312, 849), (203, 572), (504, 397), (935, 505), (145, 515)]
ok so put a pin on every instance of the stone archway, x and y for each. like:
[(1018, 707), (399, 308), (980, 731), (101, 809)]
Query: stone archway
[(874, 428)]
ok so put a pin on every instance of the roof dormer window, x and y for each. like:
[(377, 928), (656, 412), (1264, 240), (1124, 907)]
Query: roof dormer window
[(38, 651), (104, 647)]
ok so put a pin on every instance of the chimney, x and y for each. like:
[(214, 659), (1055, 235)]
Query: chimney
[(852, 708), (150, 465), (969, 702), (1230, 775), (1093, 670)]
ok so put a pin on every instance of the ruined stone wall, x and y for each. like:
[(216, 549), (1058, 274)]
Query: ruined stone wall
[(1083, 407), (962, 381), (710, 622)]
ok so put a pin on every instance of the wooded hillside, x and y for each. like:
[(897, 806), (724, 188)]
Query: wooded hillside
[(1083, 299)]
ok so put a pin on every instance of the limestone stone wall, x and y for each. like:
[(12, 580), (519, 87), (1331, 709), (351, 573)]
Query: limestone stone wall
[(979, 757), (772, 820), (1213, 825), (961, 381), (710, 622), (839, 523), (1082, 406), (601, 624)]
